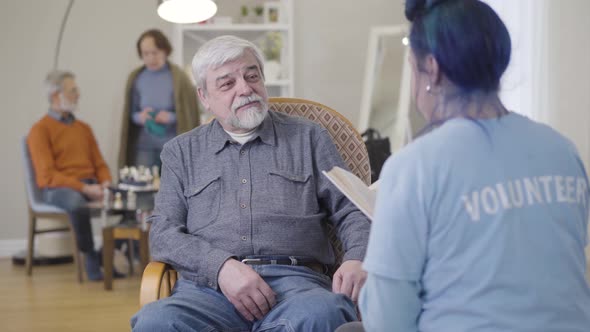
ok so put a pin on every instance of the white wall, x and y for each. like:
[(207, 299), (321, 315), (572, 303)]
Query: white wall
[(331, 39), (525, 79), (569, 72), (549, 74)]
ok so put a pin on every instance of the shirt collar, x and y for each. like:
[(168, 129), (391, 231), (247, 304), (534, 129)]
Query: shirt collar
[(66, 118), (266, 132)]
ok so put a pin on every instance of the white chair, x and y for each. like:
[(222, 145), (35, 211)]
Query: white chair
[(39, 209)]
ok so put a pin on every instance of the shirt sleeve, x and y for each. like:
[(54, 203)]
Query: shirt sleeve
[(399, 234), (47, 175), (195, 258), (389, 304), (351, 224)]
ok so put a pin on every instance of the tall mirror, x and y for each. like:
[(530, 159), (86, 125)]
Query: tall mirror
[(386, 102)]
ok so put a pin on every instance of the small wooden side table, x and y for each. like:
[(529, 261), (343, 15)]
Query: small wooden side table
[(129, 229), (122, 231)]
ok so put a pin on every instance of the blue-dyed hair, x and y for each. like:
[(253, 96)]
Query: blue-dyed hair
[(466, 37)]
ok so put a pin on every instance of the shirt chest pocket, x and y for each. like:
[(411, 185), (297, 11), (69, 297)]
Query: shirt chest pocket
[(291, 193), (203, 200)]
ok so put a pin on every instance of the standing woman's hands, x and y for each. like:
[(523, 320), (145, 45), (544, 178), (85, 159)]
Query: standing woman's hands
[(145, 114), (163, 117)]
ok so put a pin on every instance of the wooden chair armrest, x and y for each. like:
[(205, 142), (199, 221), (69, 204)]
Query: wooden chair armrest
[(152, 288)]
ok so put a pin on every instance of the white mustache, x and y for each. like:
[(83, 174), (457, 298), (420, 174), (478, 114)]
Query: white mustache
[(245, 100)]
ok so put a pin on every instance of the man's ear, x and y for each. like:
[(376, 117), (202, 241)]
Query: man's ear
[(432, 69), (203, 97)]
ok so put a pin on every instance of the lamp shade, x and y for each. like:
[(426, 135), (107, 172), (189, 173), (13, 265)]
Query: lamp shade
[(187, 11)]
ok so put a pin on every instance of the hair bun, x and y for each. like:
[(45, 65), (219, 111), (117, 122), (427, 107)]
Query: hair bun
[(416, 8)]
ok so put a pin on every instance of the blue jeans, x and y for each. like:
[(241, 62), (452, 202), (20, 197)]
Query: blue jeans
[(75, 205), (305, 302)]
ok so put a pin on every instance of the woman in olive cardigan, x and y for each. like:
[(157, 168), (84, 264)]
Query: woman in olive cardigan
[(146, 126)]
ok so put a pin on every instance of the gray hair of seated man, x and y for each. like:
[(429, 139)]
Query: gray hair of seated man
[(219, 51), (54, 80)]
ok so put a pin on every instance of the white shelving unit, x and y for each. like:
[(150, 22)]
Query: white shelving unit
[(188, 38)]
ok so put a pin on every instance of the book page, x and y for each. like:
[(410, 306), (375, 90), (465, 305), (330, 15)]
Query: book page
[(354, 189)]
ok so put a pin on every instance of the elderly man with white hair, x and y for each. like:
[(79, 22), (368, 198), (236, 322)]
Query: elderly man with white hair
[(241, 213), (69, 167)]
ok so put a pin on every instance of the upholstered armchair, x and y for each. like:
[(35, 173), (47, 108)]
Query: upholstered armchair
[(159, 278)]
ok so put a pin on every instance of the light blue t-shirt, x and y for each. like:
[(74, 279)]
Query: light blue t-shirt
[(490, 219)]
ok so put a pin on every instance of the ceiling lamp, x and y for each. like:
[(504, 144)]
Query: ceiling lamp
[(186, 11)]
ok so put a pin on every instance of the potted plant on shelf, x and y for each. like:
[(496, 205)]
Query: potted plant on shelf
[(244, 11), (258, 10), (271, 45)]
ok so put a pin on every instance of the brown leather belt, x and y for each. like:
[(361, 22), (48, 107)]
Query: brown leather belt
[(284, 260)]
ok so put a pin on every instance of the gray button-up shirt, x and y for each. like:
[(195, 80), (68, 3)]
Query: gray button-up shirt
[(220, 199)]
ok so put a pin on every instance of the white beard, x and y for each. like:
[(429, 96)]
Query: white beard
[(66, 106), (251, 117)]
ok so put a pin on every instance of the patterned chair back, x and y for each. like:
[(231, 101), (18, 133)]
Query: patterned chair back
[(348, 141)]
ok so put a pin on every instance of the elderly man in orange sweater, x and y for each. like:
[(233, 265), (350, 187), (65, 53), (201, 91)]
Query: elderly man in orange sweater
[(68, 165)]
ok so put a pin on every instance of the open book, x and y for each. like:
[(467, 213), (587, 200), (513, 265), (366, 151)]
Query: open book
[(354, 189)]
